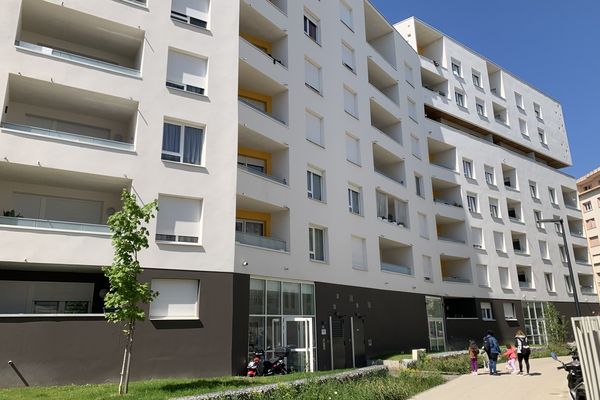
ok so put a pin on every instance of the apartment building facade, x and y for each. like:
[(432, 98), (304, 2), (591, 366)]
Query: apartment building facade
[(385, 197), (588, 187)]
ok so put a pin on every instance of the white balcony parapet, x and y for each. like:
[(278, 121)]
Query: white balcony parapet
[(447, 239), (260, 241), (587, 289), (54, 225), (66, 136), (401, 269), (456, 279), (266, 114), (273, 178), (48, 51)]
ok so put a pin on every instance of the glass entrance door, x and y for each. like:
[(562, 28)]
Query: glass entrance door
[(435, 319), (298, 336)]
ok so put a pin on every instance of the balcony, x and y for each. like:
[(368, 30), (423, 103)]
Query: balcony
[(43, 110), (520, 244), (581, 254), (430, 45), (450, 229), (263, 157), (388, 164), (263, 94), (456, 269), (435, 83), (395, 256), (380, 35), (509, 176), (500, 114), (570, 197), (447, 193), (576, 227), (59, 32), (525, 277), (391, 209), (514, 210), (262, 225), (586, 284), (259, 11), (384, 83), (442, 154), (496, 80), (385, 122)]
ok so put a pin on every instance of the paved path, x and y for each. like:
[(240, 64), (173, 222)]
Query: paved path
[(545, 383)]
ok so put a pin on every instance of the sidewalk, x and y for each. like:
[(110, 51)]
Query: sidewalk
[(544, 383)]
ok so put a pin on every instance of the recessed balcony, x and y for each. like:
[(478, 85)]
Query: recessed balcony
[(509, 176), (385, 122), (514, 208), (442, 154), (430, 44), (380, 35), (450, 229), (525, 277), (576, 226), (519, 242), (59, 32), (391, 209), (586, 284), (265, 37), (263, 94), (384, 83), (447, 193), (388, 164), (570, 197), (434, 83), (581, 254), (456, 269), (44, 110), (395, 256), (260, 224)]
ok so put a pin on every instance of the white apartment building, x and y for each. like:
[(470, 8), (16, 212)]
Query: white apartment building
[(387, 186)]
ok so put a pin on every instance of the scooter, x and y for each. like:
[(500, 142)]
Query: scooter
[(574, 377), (277, 365), (254, 367)]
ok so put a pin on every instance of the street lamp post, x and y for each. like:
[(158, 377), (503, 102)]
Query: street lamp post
[(571, 275)]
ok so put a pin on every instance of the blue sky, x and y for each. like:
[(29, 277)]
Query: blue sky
[(552, 44)]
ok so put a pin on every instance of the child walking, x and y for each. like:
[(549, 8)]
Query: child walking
[(511, 356), (473, 353)]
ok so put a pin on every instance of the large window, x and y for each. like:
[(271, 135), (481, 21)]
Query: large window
[(311, 27), (186, 72), (178, 219), (177, 299), (182, 143), (350, 105), (54, 208), (352, 149), (354, 200), (348, 57), (359, 253), (312, 74), (316, 243), (193, 12), (535, 324), (314, 128), (314, 181), (486, 311), (45, 297), (346, 14)]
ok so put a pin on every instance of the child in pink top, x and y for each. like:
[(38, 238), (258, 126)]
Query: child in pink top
[(511, 356)]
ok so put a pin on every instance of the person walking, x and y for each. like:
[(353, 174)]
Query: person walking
[(511, 357), (473, 353), (490, 343), (523, 350)]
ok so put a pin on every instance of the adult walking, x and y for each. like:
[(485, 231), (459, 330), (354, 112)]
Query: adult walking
[(492, 348), (523, 350)]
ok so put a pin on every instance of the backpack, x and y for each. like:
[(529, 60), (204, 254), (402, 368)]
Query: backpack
[(486, 344)]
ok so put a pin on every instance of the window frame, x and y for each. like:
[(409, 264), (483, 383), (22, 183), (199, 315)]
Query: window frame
[(351, 201), (310, 189), (312, 243), (487, 313), (182, 133), (309, 19)]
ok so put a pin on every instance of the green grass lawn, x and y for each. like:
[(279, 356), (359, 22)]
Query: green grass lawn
[(158, 389)]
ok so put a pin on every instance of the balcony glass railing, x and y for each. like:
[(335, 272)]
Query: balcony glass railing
[(456, 279), (71, 137), (587, 289), (401, 269), (449, 239), (260, 241), (447, 202), (264, 53), (48, 51), (58, 225), (582, 261), (255, 108), (273, 178)]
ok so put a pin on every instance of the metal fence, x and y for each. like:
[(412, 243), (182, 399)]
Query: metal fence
[(587, 336)]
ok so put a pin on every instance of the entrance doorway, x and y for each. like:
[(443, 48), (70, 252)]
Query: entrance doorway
[(347, 337), (298, 336), (435, 319)]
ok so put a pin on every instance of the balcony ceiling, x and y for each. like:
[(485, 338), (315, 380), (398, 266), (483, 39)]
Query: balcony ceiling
[(244, 202), (66, 24), (438, 147), (425, 34), (378, 77), (384, 156), (387, 244), (381, 117), (51, 95), (61, 178), (87, 269), (439, 184), (376, 25), (446, 257), (254, 140), (443, 220), (255, 24), (255, 81)]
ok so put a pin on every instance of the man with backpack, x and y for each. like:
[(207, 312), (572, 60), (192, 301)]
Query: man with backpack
[(492, 348)]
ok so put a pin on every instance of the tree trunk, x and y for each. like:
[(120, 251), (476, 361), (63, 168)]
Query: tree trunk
[(125, 368)]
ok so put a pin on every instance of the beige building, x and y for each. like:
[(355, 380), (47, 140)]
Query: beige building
[(588, 187)]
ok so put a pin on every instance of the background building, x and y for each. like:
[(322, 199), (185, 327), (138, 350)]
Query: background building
[(588, 187), (385, 197)]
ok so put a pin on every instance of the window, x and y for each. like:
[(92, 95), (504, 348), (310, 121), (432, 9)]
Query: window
[(486, 311), (316, 243), (354, 200), (194, 13), (468, 168), (563, 253), (552, 194), (178, 219), (472, 203), (549, 278), (314, 128), (519, 100), (523, 127), (251, 227), (359, 253), (476, 78), (460, 98), (419, 185), (557, 225), (177, 299), (544, 250), (408, 74), (590, 223), (314, 182), (594, 241), (55, 208), (352, 149), (348, 57), (482, 275), (542, 136), (538, 111), (423, 228), (490, 176), (415, 146), (499, 242), (533, 190), (477, 234), (391, 209), (587, 206), (185, 72), (312, 73), (346, 15), (182, 143), (537, 215), (350, 102), (456, 69), (509, 311), (494, 210), (480, 107), (311, 27), (412, 109), (568, 284)]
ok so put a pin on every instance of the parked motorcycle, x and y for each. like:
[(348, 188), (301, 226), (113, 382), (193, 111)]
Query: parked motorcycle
[(574, 377), (275, 366)]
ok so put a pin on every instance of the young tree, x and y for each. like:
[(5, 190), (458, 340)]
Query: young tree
[(126, 294), (556, 326)]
